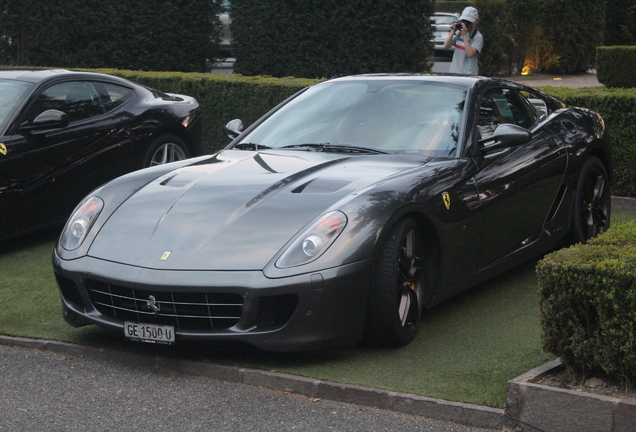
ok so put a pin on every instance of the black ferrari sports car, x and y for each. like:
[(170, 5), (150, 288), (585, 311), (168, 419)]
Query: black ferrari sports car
[(64, 133), (341, 215)]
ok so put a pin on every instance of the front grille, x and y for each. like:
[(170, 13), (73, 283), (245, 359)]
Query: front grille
[(192, 311)]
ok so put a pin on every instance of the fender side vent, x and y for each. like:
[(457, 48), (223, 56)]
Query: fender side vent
[(557, 202)]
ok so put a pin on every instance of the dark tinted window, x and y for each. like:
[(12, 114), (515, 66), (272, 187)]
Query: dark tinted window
[(78, 99), (114, 95), (11, 96), (500, 106)]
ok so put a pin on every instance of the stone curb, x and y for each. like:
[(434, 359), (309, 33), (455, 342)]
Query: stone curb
[(437, 409), (560, 410)]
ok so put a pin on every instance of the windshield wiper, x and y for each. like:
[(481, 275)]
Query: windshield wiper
[(315, 146), (251, 146), (326, 147)]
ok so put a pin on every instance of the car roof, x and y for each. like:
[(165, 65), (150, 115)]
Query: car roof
[(38, 75), (463, 80)]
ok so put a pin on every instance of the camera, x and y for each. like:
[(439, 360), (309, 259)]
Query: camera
[(458, 25)]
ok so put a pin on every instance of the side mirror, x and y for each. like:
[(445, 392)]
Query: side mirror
[(234, 128), (49, 119), (541, 107), (506, 135)]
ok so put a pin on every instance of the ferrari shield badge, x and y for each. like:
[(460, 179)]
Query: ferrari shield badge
[(3, 149), (165, 255), (446, 198)]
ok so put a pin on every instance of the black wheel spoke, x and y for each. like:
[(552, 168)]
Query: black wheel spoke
[(599, 189), (591, 226)]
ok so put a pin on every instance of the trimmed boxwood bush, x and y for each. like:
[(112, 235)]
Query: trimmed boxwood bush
[(618, 108), (588, 305), (616, 66)]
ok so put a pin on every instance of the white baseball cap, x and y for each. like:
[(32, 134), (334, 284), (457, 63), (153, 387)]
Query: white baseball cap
[(470, 14)]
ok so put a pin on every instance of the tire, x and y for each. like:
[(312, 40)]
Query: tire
[(166, 148), (397, 291), (592, 205)]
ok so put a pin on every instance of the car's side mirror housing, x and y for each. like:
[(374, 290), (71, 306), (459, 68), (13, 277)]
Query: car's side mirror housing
[(49, 119), (506, 135), (234, 128), (541, 107)]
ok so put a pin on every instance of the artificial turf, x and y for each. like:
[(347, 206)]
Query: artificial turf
[(466, 348)]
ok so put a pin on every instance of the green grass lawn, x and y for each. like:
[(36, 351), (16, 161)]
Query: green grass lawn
[(465, 351)]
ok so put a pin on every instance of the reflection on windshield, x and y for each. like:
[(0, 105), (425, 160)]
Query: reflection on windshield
[(11, 95), (387, 116)]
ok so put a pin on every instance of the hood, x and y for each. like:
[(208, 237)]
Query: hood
[(236, 210)]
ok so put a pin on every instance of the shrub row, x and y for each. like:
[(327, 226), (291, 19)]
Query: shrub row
[(618, 108), (616, 66), (588, 305)]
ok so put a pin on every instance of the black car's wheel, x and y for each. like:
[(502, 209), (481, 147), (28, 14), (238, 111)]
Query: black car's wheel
[(166, 148), (395, 303), (592, 206)]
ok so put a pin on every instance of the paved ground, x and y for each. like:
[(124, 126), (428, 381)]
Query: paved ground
[(442, 65), (573, 81), (43, 390)]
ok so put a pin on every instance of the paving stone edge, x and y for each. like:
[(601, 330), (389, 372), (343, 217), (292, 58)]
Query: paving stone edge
[(436, 409)]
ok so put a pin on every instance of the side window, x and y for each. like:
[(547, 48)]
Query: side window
[(78, 99), (500, 106), (113, 95)]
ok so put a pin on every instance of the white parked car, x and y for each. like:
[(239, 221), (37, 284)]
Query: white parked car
[(441, 26)]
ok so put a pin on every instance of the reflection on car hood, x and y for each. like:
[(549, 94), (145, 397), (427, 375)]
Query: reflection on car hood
[(236, 210)]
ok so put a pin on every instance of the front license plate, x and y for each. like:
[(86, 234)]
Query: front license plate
[(150, 333)]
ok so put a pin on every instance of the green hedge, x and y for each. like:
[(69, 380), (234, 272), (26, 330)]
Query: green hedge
[(618, 108), (222, 97), (616, 66), (588, 305), (313, 39)]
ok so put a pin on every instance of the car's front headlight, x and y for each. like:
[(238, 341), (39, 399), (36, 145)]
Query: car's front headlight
[(80, 223), (314, 241)]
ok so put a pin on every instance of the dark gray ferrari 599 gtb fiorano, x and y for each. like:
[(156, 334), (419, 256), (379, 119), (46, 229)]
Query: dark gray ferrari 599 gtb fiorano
[(342, 214)]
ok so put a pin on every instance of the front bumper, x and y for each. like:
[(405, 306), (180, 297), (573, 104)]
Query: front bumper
[(301, 312)]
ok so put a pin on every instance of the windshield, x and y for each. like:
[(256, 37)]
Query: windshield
[(382, 116), (11, 97), (444, 19)]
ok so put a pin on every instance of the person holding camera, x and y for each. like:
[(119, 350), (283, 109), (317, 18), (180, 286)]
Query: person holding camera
[(466, 41)]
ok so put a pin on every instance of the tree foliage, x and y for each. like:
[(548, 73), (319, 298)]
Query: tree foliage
[(310, 38), (177, 35), (620, 18)]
